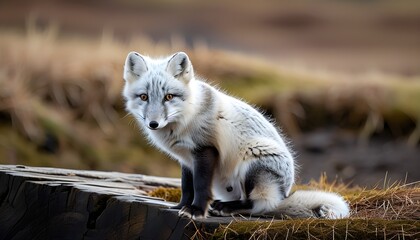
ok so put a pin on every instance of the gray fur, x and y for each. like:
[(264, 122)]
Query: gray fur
[(254, 166)]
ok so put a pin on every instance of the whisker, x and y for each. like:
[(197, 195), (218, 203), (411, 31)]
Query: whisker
[(140, 116), (132, 123), (170, 115), (126, 115)]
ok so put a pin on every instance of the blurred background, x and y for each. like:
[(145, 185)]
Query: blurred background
[(341, 78)]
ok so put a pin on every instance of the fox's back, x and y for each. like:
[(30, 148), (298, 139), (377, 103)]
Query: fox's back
[(241, 125)]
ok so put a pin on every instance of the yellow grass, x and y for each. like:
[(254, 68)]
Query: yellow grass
[(389, 212)]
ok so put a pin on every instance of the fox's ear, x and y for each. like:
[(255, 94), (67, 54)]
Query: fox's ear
[(180, 67), (134, 67)]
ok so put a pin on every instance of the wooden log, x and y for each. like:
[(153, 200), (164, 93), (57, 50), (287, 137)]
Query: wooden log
[(51, 203)]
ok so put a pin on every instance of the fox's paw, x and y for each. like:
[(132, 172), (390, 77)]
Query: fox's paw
[(218, 208), (323, 211), (192, 212), (178, 206)]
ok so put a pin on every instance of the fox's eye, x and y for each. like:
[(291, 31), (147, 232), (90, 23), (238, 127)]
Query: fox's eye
[(143, 97), (168, 97)]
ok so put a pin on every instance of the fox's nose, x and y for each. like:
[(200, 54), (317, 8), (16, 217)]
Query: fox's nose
[(153, 124)]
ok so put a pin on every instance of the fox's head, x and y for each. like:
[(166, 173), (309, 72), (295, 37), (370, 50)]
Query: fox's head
[(156, 90)]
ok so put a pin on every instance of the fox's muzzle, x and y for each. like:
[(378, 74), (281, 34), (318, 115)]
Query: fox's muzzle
[(153, 125), (154, 116)]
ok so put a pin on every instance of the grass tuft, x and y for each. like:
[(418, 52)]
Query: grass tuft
[(168, 194)]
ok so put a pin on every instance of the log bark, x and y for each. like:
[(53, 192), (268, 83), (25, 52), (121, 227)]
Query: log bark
[(51, 203)]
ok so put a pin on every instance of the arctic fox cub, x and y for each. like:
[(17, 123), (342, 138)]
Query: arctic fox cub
[(233, 160)]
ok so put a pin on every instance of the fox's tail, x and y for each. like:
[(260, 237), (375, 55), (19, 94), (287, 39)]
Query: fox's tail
[(315, 204)]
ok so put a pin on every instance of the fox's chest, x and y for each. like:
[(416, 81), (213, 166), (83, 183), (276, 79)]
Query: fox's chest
[(177, 146)]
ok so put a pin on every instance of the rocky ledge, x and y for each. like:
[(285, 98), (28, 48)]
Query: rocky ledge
[(51, 203)]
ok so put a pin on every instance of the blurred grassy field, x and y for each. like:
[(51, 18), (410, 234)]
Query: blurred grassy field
[(60, 102)]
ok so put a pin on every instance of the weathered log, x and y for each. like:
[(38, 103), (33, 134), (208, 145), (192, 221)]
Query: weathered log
[(50, 203)]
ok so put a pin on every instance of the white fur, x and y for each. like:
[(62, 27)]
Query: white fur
[(266, 198), (332, 203), (206, 116)]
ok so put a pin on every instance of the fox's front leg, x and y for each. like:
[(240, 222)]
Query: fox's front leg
[(187, 188), (205, 159)]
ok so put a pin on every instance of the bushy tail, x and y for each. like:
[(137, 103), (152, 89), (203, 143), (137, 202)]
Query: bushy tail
[(315, 204)]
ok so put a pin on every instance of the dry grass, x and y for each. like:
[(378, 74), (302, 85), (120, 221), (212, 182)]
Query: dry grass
[(168, 194), (396, 201), (392, 212), (321, 229)]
